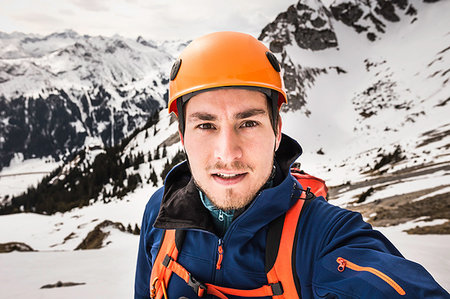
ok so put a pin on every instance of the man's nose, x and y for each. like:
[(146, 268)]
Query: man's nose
[(228, 145)]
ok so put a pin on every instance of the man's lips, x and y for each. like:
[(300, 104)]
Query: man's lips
[(228, 178)]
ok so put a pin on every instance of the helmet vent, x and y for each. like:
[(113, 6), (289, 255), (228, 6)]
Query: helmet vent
[(273, 61), (175, 69)]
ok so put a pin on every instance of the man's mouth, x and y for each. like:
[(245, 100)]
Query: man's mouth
[(228, 178), (228, 175)]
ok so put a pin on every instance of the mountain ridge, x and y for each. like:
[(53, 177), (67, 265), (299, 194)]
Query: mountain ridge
[(77, 89)]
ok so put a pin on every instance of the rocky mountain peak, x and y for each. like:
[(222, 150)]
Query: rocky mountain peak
[(372, 16), (307, 23)]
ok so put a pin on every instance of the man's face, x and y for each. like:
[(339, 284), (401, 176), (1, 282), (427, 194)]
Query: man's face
[(230, 144)]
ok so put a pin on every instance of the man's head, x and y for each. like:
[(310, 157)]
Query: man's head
[(226, 90), (230, 144)]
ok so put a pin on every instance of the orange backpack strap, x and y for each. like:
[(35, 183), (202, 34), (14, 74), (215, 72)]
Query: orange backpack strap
[(283, 230), (282, 241), (169, 249)]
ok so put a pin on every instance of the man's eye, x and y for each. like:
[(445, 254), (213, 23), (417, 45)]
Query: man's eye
[(206, 126), (249, 124)]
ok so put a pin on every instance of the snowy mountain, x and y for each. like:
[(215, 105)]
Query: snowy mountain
[(368, 89), (357, 93), (374, 93), (63, 91)]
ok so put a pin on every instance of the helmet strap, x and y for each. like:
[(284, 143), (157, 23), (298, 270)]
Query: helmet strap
[(181, 121)]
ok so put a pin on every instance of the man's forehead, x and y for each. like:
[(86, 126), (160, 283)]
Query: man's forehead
[(236, 100)]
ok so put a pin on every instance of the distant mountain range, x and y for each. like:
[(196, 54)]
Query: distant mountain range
[(367, 83), (63, 91)]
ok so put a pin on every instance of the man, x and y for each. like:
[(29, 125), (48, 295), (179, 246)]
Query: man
[(209, 230)]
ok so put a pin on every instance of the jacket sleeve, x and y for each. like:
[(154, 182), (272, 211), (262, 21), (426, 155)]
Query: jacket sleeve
[(149, 239), (354, 261)]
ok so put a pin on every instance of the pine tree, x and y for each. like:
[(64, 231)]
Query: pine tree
[(157, 156), (127, 162), (167, 167), (154, 178), (136, 230)]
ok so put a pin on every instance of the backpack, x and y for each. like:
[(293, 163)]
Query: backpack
[(282, 279)]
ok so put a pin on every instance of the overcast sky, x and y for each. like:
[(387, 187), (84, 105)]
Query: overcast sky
[(155, 19)]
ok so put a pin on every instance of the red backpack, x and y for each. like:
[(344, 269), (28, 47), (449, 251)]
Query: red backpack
[(281, 278)]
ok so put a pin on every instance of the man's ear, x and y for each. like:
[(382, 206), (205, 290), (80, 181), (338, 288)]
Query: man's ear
[(278, 137)]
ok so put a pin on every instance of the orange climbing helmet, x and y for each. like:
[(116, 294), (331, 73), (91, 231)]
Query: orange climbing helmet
[(224, 59)]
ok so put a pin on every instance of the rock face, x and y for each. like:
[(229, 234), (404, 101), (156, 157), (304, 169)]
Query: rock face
[(14, 246), (370, 17), (61, 284), (308, 26), (307, 23), (297, 79), (95, 238)]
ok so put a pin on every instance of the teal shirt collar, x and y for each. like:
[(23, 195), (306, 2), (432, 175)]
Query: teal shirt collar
[(222, 219)]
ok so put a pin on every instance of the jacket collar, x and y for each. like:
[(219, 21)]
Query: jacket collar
[(181, 206)]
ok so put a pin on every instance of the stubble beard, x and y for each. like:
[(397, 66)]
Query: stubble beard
[(231, 200)]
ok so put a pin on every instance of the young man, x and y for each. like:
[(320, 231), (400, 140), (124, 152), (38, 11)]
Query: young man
[(210, 230)]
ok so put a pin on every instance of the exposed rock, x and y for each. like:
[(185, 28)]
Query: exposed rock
[(297, 79), (389, 158), (364, 195), (433, 136), (439, 229), (349, 13), (308, 24), (411, 11), (401, 208), (14, 246), (434, 207), (61, 284), (95, 238), (370, 16), (387, 10)]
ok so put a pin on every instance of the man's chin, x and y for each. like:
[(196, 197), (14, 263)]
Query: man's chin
[(230, 200)]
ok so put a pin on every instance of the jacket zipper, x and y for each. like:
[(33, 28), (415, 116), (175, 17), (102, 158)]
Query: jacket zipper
[(228, 232), (220, 256), (343, 263)]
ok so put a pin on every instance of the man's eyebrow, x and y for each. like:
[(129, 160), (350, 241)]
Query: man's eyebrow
[(249, 113), (202, 116)]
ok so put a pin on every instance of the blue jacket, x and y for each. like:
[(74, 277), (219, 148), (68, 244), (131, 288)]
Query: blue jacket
[(324, 234)]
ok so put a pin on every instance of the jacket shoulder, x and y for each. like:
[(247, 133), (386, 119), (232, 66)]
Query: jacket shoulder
[(342, 255), (148, 232), (153, 204)]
